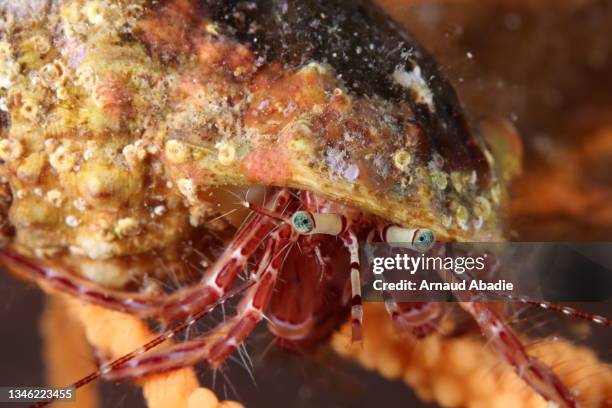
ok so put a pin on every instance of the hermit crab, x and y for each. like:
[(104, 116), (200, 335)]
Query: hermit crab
[(222, 138)]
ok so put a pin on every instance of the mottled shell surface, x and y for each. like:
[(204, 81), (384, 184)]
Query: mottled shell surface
[(118, 117)]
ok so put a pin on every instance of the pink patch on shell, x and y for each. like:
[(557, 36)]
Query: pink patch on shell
[(268, 165)]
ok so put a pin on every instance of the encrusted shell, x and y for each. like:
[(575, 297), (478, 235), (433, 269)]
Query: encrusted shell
[(117, 117)]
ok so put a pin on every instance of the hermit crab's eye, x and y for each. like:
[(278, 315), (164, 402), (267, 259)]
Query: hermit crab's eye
[(303, 222), (423, 240), (415, 238)]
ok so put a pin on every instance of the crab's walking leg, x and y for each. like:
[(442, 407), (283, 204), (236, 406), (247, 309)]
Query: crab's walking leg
[(570, 311), (217, 345), (157, 340), (418, 318), (221, 275), (61, 279), (215, 282), (251, 308), (350, 242), (509, 348), (225, 270)]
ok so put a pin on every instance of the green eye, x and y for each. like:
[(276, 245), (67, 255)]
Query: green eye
[(302, 222), (424, 240)]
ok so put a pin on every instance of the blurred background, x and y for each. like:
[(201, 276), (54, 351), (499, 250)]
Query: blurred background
[(545, 67)]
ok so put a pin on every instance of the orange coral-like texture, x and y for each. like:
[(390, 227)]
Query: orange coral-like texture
[(69, 324), (463, 372)]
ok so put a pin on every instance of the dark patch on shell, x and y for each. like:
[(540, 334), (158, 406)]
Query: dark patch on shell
[(365, 47)]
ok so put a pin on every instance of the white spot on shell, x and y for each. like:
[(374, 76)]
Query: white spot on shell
[(414, 81), (187, 188), (177, 152), (55, 198), (63, 159), (127, 227), (72, 221), (80, 204), (159, 210), (339, 165), (134, 153), (227, 153), (10, 149)]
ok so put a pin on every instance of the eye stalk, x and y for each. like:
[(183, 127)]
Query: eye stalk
[(420, 239), (308, 223), (305, 222)]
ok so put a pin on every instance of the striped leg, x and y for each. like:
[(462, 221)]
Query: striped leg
[(418, 318), (220, 277), (108, 368), (511, 351), (507, 345), (217, 345), (62, 279), (215, 283), (350, 242)]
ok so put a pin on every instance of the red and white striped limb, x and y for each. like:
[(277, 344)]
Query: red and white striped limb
[(418, 318), (214, 285), (510, 350), (215, 346), (352, 245)]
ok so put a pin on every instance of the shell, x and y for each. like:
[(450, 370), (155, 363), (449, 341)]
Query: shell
[(119, 117)]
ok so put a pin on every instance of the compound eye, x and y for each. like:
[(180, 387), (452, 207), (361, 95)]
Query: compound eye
[(302, 222), (424, 240)]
